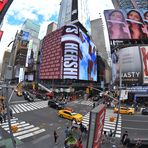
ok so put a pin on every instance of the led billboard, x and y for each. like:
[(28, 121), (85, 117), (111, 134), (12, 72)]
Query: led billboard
[(144, 55), (128, 61), (79, 55), (68, 53), (127, 24)]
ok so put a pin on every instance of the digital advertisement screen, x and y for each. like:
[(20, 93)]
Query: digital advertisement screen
[(79, 55), (144, 55), (128, 61), (127, 24)]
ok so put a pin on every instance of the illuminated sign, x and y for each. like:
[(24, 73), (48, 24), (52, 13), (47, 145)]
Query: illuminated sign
[(70, 53), (96, 125)]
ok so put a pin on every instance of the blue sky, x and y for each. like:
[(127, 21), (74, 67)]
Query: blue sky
[(43, 12)]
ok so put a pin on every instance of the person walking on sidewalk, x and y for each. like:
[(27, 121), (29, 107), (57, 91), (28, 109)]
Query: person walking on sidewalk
[(55, 137), (125, 134)]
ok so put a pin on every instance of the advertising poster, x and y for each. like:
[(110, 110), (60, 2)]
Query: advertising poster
[(1, 34), (96, 124), (2, 4), (144, 55), (127, 24), (30, 47), (70, 58), (79, 55), (129, 60), (117, 25)]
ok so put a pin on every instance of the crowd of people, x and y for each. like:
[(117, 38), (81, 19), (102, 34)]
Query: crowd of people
[(3, 111)]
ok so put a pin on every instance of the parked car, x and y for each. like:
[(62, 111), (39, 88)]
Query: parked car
[(125, 110), (41, 96), (55, 104), (28, 96), (145, 111), (70, 115)]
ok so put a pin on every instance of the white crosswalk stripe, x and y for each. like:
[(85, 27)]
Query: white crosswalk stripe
[(84, 102), (25, 130), (107, 124), (25, 107)]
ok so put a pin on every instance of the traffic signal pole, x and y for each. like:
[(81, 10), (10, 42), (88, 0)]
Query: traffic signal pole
[(8, 115), (119, 101)]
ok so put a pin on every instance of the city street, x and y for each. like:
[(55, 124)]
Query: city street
[(136, 125), (36, 122)]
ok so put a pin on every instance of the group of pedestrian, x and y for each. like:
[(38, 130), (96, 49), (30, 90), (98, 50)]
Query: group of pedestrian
[(4, 114)]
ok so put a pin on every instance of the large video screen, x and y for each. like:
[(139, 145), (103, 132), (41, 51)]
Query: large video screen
[(79, 55), (127, 24)]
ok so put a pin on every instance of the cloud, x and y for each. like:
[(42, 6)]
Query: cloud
[(20, 10)]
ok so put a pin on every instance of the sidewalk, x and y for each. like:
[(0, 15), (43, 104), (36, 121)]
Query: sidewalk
[(7, 143)]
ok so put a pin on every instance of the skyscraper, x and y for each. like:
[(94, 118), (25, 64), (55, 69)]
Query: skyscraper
[(33, 29), (131, 4), (74, 12)]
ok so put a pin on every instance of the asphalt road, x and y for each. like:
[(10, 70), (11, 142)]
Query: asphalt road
[(46, 119), (136, 125)]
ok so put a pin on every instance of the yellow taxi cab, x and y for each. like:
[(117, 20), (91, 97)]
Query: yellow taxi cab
[(125, 110), (64, 113), (19, 93)]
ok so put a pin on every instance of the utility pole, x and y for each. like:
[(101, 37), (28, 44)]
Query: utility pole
[(119, 101), (8, 115)]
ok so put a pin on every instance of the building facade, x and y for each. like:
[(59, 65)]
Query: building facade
[(5, 63), (51, 27), (74, 12), (130, 4), (33, 28)]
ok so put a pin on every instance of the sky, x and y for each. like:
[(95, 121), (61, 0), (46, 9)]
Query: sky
[(43, 12)]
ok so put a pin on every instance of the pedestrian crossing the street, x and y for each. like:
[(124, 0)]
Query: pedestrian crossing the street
[(25, 107), (25, 130), (107, 124), (84, 102)]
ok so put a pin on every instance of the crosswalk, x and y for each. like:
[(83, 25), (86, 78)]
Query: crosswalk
[(84, 102), (25, 130), (107, 124), (25, 107)]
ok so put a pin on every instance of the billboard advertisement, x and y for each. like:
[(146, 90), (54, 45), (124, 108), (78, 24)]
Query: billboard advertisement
[(24, 35), (2, 4), (127, 24), (128, 61), (144, 55), (79, 55), (68, 53), (30, 47), (96, 124), (1, 34)]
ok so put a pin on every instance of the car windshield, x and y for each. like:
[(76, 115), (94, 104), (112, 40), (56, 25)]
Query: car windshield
[(73, 113)]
